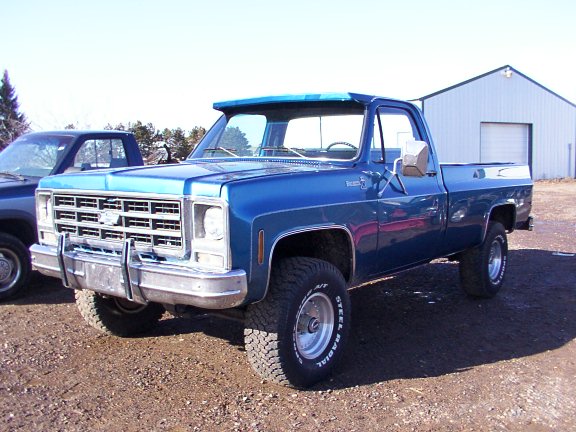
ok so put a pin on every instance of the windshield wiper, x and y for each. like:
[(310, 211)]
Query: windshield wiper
[(285, 150), (12, 175), (229, 151)]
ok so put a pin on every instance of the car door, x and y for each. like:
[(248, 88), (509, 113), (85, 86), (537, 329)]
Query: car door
[(410, 209)]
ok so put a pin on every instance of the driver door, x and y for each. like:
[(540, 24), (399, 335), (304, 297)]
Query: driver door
[(409, 221)]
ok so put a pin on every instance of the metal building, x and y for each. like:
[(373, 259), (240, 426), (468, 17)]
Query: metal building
[(504, 116)]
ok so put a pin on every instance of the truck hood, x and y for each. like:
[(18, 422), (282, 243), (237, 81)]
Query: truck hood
[(202, 178), (12, 187)]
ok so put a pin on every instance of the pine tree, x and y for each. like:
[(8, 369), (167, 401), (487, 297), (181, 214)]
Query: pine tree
[(195, 136), (180, 148), (146, 136), (12, 122), (235, 140)]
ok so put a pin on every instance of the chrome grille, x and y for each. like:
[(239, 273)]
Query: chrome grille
[(151, 223)]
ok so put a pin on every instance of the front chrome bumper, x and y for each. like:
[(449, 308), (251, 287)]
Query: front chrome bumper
[(128, 277)]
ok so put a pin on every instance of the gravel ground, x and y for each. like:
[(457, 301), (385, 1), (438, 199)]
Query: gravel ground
[(422, 356)]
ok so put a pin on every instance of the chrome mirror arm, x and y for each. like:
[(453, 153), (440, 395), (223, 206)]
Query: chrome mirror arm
[(394, 173)]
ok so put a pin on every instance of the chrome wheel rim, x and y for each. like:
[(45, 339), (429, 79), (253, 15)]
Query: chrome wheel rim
[(9, 269), (495, 260), (314, 326)]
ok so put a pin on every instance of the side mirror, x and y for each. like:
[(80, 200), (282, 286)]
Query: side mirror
[(415, 158)]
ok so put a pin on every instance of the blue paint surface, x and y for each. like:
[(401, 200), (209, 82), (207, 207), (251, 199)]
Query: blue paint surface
[(441, 213)]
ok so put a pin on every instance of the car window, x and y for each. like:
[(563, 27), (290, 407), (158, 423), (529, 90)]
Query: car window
[(100, 153), (33, 155), (393, 127)]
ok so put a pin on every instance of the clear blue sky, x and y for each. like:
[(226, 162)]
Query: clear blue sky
[(166, 62)]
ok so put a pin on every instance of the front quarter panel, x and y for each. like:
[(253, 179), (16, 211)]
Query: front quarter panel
[(339, 198)]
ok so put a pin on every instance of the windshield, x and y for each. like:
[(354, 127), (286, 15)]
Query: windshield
[(312, 132), (33, 155)]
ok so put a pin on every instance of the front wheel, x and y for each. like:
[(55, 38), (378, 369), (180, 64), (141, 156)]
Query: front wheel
[(296, 335), (117, 316), (15, 268), (482, 268)]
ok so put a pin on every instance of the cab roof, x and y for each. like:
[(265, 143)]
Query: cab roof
[(291, 98)]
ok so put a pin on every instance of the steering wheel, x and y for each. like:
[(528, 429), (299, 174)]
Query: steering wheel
[(341, 143)]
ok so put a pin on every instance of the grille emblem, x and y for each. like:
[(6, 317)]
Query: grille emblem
[(109, 218)]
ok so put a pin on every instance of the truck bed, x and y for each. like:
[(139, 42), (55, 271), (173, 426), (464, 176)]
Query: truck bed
[(498, 184)]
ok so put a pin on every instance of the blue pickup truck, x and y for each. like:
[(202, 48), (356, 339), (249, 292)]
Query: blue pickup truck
[(285, 204), (23, 163)]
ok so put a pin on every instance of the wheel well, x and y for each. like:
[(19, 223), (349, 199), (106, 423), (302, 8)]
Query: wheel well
[(331, 245), (19, 229), (505, 214)]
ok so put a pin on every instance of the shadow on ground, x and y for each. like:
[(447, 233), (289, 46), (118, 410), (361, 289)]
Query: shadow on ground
[(42, 290), (419, 323)]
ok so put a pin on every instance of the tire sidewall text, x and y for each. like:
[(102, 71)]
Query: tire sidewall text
[(334, 347)]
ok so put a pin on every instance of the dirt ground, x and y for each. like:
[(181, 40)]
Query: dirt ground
[(422, 356)]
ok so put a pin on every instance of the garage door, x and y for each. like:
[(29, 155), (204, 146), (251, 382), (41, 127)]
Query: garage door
[(505, 142)]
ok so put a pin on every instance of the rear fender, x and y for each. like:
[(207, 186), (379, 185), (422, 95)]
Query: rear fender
[(502, 211)]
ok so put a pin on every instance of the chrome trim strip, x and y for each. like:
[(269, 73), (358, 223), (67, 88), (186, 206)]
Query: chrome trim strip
[(115, 193), (312, 229), (297, 209), (508, 202)]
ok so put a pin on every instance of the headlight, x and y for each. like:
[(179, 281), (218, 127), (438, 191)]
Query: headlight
[(214, 223)]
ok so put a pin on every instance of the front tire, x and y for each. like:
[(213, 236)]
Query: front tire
[(296, 335), (482, 269), (116, 316), (15, 267)]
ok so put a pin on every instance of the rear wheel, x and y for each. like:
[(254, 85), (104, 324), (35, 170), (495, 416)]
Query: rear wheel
[(117, 316), (482, 269), (15, 267), (296, 335)]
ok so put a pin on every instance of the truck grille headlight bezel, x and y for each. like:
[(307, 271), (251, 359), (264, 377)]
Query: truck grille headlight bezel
[(210, 245), (45, 217)]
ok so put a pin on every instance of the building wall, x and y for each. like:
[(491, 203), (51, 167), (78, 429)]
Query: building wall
[(455, 115)]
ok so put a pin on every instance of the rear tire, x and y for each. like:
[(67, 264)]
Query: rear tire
[(15, 267), (296, 335), (117, 316), (482, 269)]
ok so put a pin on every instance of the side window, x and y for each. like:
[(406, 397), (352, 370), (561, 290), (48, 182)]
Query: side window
[(392, 128), (100, 153)]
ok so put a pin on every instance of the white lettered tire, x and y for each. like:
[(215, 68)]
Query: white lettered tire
[(482, 269), (297, 334)]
